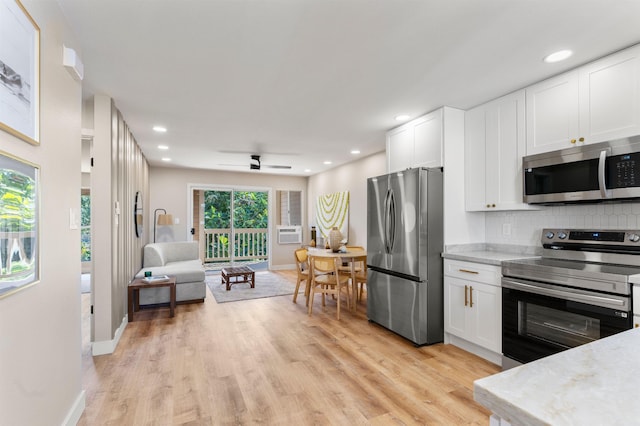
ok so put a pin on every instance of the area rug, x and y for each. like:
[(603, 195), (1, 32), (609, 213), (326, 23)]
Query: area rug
[(268, 284)]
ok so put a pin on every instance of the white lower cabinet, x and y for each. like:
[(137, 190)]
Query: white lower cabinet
[(473, 308)]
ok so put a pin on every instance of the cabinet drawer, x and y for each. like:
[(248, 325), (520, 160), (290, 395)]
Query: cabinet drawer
[(488, 274)]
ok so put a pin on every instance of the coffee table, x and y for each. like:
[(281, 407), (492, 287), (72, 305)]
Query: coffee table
[(134, 294), (238, 274)]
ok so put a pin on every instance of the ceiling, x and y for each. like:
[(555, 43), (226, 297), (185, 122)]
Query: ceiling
[(306, 81)]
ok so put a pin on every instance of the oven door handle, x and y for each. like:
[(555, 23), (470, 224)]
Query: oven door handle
[(603, 301)]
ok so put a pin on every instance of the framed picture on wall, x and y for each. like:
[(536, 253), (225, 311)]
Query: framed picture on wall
[(19, 72), (19, 224)]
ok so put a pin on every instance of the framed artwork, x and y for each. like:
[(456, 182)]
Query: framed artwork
[(19, 72), (333, 210), (19, 224)]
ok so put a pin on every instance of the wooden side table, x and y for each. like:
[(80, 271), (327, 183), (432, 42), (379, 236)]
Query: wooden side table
[(138, 283)]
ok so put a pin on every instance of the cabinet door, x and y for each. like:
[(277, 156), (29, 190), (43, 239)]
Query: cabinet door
[(505, 146), (553, 113), (400, 148), (610, 97), (474, 159), (494, 146), (427, 132), (455, 311), (485, 325)]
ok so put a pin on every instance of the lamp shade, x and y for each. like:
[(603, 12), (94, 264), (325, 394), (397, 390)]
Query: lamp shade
[(165, 219)]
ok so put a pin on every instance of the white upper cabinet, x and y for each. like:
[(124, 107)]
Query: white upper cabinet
[(427, 133), (610, 94), (494, 144), (553, 114), (597, 102), (416, 144), (399, 148)]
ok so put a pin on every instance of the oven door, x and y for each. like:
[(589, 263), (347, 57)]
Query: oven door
[(540, 319)]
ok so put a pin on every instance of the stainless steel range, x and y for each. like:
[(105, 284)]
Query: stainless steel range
[(578, 292)]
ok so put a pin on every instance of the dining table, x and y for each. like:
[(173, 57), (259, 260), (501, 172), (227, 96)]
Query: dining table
[(350, 255)]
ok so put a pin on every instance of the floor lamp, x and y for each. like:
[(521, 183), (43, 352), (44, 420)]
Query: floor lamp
[(160, 219)]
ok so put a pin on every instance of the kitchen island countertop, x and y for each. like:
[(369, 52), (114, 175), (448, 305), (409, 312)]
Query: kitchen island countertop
[(596, 383)]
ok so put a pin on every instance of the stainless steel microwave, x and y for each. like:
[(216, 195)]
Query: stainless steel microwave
[(590, 173)]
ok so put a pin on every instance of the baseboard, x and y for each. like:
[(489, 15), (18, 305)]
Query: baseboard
[(109, 346), (73, 417), (485, 353), (283, 267)]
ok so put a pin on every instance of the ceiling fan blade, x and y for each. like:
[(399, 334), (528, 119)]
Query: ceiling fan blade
[(276, 166)]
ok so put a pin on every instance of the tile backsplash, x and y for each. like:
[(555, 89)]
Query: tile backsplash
[(524, 227)]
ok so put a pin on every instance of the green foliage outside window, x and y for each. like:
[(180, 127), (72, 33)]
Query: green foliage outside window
[(85, 232), (250, 211)]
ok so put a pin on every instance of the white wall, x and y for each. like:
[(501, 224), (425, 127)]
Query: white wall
[(40, 337), (527, 225), (351, 177), (168, 188)]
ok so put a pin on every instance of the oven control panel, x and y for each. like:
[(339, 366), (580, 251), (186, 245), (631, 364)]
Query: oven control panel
[(575, 239)]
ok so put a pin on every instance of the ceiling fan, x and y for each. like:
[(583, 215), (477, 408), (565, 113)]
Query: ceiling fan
[(256, 164)]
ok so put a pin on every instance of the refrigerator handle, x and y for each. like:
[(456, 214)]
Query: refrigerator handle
[(390, 224), (385, 236)]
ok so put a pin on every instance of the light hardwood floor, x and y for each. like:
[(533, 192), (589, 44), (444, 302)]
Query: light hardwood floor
[(265, 361)]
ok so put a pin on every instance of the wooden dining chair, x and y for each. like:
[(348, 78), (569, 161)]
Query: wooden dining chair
[(302, 266), (346, 267), (361, 276), (326, 279)]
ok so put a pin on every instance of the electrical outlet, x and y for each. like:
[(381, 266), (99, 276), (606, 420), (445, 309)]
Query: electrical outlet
[(506, 229)]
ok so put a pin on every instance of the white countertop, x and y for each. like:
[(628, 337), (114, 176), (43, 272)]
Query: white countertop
[(490, 254), (593, 384), (485, 256)]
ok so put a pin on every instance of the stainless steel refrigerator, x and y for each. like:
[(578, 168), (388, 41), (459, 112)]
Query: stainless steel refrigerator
[(404, 246)]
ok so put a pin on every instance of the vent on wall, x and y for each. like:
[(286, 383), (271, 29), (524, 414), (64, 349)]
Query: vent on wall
[(289, 234)]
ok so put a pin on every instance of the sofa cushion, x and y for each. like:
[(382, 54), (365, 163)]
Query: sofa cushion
[(159, 254)]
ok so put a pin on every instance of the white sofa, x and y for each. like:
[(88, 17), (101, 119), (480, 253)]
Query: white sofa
[(181, 259)]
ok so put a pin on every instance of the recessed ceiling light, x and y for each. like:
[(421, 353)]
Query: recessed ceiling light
[(355, 151), (402, 117), (166, 159), (163, 147), (558, 56), (160, 129), (327, 162)]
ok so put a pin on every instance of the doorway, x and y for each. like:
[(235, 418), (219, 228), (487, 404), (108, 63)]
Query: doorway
[(231, 225)]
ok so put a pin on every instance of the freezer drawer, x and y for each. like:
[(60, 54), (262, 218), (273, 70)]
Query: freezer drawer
[(411, 309)]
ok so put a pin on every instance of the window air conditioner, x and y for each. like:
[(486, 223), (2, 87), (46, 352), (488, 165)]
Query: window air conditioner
[(289, 234)]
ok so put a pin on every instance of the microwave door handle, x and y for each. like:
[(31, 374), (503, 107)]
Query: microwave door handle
[(602, 162)]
